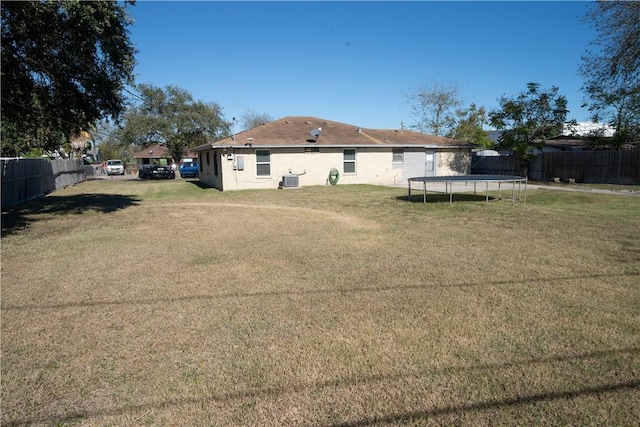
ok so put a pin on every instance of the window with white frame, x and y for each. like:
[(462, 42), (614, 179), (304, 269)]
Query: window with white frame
[(398, 156), (349, 161), (429, 162), (263, 162)]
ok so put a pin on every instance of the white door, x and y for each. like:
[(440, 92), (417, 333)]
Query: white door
[(430, 163)]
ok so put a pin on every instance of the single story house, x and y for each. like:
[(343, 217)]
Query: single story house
[(154, 155), (299, 151)]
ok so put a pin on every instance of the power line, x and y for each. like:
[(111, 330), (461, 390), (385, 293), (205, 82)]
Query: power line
[(96, 132), (134, 94)]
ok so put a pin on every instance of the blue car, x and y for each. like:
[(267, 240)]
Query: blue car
[(189, 169)]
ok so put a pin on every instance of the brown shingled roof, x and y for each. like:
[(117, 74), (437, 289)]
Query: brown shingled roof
[(158, 152), (296, 130), (153, 152)]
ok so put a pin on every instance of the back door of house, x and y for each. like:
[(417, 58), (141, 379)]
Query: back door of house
[(430, 163)]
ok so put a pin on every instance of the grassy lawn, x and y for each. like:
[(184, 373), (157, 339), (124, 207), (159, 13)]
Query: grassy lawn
[(162, 303)]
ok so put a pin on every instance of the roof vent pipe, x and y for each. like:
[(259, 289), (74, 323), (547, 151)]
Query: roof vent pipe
[(233, 125)]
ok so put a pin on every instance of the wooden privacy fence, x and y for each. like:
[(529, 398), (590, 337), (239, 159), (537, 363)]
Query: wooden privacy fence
[(606, 167), (603, 167), (499, 165), (28, 179)]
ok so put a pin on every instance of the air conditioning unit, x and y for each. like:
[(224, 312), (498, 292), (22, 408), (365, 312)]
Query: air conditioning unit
[(290, 181)]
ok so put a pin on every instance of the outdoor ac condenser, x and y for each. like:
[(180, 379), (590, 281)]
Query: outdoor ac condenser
[(290, 181)]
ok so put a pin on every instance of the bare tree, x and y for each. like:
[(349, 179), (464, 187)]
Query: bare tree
[(433, 107), (612, 69), (252, 119)]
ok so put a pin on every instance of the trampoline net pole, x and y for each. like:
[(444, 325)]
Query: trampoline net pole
[(424, 192), (486, 193)]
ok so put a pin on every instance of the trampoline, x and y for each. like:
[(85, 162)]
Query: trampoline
[(475, 179)]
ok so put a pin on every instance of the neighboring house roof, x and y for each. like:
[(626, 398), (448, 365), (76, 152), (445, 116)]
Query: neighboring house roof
[(296, 131), (153, 152), (570, 132), (587, 128), (560, 142), (564, 142)]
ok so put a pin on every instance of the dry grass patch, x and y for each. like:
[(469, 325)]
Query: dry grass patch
[(341, 305)]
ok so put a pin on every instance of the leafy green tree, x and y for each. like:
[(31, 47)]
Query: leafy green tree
[(612, 70), (617, 102), (111, 148), (171, 116), (528, 119), (469, 126), (433, 107), (64, 65)]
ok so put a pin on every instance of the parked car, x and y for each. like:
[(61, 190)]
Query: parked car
[(115, 167), (189, 169), (156, 172)]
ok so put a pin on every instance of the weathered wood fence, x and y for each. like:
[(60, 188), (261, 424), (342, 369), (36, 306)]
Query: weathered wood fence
[(604, 167), (27, 179)]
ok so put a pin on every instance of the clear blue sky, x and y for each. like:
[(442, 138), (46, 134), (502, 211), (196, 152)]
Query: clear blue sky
[(355, 62)]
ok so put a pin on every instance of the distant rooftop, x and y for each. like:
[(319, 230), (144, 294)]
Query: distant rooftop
[(586, 128), (579, 129)]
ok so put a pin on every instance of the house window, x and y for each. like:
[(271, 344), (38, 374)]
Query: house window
[(208, 161), (398, 157), (215, 163), (263, 162), (349, 161), (429, 162), (200, 161)]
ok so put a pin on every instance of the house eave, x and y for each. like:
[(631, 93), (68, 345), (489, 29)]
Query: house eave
[(280, 146)]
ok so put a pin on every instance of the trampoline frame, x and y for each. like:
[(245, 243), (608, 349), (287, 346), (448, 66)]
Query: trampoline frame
[(449, 180)]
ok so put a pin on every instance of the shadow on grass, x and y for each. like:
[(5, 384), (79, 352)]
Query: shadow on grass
[(403, 418), (277, 294), (444, 198), (19, 218), (199, 184), (397, 418)]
